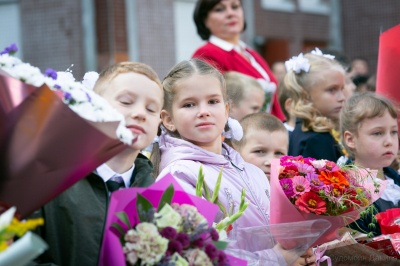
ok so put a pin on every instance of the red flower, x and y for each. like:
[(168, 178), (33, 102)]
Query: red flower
[(311, 202), (230, 227)]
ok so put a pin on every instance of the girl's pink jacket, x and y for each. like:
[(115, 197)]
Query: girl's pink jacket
[(183, 159)]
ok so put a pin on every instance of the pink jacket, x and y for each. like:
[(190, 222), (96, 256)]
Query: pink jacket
[(183, 159)]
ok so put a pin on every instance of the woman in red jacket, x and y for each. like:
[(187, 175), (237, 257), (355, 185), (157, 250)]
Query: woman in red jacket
[(221, 22)]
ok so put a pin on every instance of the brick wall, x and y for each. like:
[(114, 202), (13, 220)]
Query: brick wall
[(362, 21), (155, 20), (52, 34)]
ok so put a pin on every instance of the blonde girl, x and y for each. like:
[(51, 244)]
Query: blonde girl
[(194, 116), (315, 83)]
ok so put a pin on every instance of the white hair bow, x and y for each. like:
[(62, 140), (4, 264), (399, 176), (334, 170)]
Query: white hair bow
[(319, 52), (298, 63), (235, 130), (89, 79)]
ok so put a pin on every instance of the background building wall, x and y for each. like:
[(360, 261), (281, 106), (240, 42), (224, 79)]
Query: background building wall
[(362, 22)]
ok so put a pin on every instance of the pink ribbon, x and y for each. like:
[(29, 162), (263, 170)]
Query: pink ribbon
[(320, 257)]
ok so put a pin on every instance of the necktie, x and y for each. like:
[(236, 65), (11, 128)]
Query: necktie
[(115, 183)]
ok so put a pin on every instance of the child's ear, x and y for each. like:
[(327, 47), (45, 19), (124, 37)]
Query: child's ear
[(166, 119), (349, 139), (288, 102), (226, 111)]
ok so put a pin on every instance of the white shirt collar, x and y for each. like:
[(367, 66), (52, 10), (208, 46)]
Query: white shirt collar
[(227, 46), (105, 172)]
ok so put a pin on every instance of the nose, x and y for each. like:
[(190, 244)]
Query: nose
[(203, 111), (267, 161), (340, 96), (389, 139), (139, 113)]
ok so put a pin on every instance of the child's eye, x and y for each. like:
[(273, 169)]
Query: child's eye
[(331, 90), (280, 154), (125, 103), (151, 110), (376, 133), (394, 132), (188, 105), (213, 101), (256, 109), (259, 151)]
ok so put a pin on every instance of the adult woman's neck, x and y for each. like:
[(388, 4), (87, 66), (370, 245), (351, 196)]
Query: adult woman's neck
[(123, 161), (380, 174), (231, 39)]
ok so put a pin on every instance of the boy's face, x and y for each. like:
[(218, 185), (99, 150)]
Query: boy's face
[(139, 99), (376, 144), (262, 146), (252, 103)]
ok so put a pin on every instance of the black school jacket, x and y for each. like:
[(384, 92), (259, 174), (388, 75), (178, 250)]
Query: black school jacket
[(74, 221), (313, 144)]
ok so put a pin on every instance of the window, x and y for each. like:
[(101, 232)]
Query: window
[(315, 6), (10, 30), (279, 5)]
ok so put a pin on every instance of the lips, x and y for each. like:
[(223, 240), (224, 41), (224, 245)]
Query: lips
[(204, 125), (136, 129), (388, 154), (232, 23)]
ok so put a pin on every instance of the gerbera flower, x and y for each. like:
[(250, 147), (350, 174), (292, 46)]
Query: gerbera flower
[(311, 202), (300, 185), (304, 168), (315, 183), (287, 186), (336, 179), (330, 167)]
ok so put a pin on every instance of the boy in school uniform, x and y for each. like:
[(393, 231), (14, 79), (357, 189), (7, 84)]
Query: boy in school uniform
[(74, 220)]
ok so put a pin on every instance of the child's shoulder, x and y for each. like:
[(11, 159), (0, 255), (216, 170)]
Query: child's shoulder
[(298, 135), (391, 173)]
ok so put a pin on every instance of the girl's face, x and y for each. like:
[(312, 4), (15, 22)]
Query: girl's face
[(377, 143), (252, 103), (225, 20), (199, 112), (327, 94)]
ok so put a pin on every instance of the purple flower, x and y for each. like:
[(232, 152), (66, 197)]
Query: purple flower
[(51, 73), (175, 246), (57, 86), (315, 182), (221, 258), (168, 233), (89, 99), (12, 49), (199, 242), (183, 239), (305, 168), (287, 186), (211, 251), (214, 234), (68, 96)]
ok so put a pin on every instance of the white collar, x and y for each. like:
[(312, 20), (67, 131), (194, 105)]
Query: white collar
[(105, 172), (227, 46)]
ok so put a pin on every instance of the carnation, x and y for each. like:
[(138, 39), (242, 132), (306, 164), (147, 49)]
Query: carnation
[(197, 257), (189, 211)]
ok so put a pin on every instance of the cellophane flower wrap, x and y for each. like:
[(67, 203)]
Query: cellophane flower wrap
[(389, 221), (53, 132), (308, 189), (162, 225)]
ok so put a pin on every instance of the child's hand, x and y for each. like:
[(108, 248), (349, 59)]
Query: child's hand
[(308, 258)]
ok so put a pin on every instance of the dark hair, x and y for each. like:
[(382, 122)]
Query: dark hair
[(203, 7)]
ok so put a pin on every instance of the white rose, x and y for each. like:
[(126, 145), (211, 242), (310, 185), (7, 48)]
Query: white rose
[(168, 217), (178, 260), (65, 76)]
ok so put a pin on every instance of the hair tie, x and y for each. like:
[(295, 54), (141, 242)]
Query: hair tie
[(235, 130), (319, 52), (297, 64)]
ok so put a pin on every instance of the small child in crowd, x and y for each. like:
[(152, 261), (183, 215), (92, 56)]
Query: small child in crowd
[(194, 116), (315, 83), (264, 138), (245, 94), (74, 221), (285, 101)]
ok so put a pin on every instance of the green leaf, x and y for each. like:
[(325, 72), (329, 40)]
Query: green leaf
[(221, 245), (124, 218), (145, 207), (218, 184), (199, 183), (121, 231), (206, 191), (166, 197)]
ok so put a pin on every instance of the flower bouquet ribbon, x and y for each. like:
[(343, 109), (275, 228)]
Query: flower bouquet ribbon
[(162, 225), (304, 189), (51, 134)]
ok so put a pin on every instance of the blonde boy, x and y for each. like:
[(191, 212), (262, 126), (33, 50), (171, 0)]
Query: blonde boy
[(74, 221), (264, 138), (245, 94)]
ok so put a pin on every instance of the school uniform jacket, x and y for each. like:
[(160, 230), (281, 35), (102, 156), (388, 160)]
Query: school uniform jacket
[(313, 144), (74, 220), (232, 61)]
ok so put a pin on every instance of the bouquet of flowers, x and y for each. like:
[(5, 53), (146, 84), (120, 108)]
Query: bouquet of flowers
[(162, 225), (307, 189), (27, 247), (43, 116)]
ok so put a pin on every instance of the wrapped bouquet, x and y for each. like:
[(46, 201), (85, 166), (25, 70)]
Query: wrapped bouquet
[(162, 225), (53, 132), (307, 189)]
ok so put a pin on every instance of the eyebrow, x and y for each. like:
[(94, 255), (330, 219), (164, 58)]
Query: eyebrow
[(208, 96)]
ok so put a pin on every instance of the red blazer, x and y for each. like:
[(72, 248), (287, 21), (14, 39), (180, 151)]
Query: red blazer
[(232, 61)]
